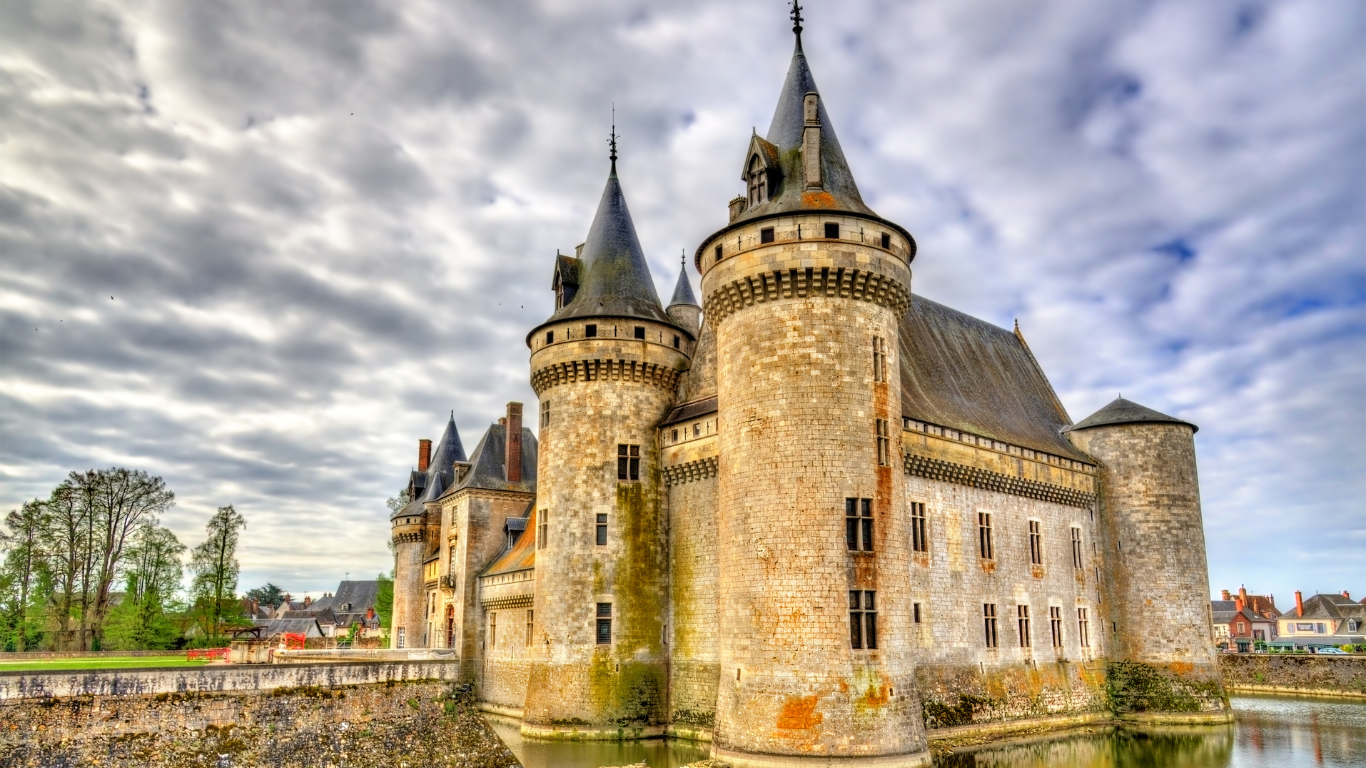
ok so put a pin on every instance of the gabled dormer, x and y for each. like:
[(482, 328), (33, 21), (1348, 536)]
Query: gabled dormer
[(566, 280), (762, 172)]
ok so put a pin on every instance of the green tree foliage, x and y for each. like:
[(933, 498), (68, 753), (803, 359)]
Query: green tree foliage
[(152, 579), (267, 594), (384, 599), (214, 604), (23, 577)]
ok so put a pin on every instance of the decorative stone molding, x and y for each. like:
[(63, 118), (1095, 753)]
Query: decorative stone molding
[(973, 477), (693, 470), (832, 282), (661, 376), (408, 538), (514, 601), (996, 445)]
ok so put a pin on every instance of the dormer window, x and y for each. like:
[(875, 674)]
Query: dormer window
[(757, 176)]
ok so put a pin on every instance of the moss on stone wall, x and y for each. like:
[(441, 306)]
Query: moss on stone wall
[(1133, 686), (941, 715)]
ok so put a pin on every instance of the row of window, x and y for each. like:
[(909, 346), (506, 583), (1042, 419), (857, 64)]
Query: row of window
[(831, 229), (859, 532), (493, 627), (986, 541), (590, 331), (1022, 626)]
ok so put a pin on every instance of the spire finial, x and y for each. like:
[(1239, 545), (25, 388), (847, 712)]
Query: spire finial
[(683, 257), (797, 21), (613, 140)]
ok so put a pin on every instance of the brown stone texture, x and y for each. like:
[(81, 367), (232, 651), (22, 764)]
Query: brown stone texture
[(799, 404), (410, 610), (603, 392), (693, 582), (1302, 673), (473, 536)]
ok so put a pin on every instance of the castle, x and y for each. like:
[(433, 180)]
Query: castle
[(811, 518)]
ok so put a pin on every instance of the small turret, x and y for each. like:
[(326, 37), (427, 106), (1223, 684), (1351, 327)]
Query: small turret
[(683, 307), (1149, 523)]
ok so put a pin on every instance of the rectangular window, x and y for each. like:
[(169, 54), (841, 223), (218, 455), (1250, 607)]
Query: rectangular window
[(545, 413), (697, 429), (1055, 625), (884, 443), (766, 235), (493, 630), (915, 612), (1035, 542), (542, 529), (602, 530), (1022, 622), (989, 623), (1083, 628), (984, 544), (1076, 548), (590, 330), (718, 253), (677, 341), (604, 623), (920, 541), (640, 331), (886, 241), (879, 359), (863, 619), (402, 637), (832, 230), (529, 625), (549, 337), (674, 437), (628, 462), (858, 524)]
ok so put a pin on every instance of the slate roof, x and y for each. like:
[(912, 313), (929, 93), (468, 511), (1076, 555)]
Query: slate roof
[(308, 627), (349, 603), (787, 188), (683, 289), (323, 615), (689, 411), (486, 463), (969, 375), (522, 554), (614, 280), (1121, 411), (440, 471), (699, 381)]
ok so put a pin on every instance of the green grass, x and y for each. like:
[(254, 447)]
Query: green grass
[(101, 662)]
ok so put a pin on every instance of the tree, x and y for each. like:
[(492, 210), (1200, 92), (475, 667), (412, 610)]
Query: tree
[(215, 568), (24, 568), (67, 537), (152, 578), (120, 501), (395, 503), (266, 594), (384, 599)]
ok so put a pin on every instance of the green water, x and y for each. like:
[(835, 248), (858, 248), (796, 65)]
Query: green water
[(1270, 732)]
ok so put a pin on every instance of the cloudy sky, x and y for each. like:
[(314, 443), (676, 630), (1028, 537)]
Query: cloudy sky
[(260, 249)]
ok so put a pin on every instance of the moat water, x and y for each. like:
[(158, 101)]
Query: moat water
[(1270, 732)]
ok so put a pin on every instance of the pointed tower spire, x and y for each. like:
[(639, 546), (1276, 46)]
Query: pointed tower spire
[(797, 21), (683, 294), (613, 141)]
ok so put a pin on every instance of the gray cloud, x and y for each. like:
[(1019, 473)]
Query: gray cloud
[(325, 226)]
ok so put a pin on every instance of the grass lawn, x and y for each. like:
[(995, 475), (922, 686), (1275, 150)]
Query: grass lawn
[(102, 662)]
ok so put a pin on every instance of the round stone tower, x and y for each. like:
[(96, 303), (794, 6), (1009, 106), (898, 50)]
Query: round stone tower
[(1156, 598), (605, 367), (804, 290)]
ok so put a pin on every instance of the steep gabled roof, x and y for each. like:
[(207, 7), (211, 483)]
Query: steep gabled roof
[(522, 554), (969, 375), (1121, 411), (487, 469), (614, 280)]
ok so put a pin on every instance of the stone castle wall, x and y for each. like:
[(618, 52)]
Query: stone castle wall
[(410, 610), (694, 580)]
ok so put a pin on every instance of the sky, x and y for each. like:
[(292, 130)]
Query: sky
[(260, 249)]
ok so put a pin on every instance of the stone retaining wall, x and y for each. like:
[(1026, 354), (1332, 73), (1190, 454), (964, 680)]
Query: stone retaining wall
[(45, 655), (1294, 673)]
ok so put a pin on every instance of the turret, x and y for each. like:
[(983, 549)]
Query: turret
[(804, 290), (413, 530), (683, 307), (605, 366), (1150, 527)]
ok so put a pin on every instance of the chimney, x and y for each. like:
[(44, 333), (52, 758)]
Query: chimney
[(1238, 604), (512, 442), (307, 601), (1299, 604), (370, 614), (1242, 593), (1344, 594), (255, 607), (424, 454), (1224, 595)]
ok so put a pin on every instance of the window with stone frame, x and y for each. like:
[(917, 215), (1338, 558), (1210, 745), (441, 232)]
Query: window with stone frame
[(758, 181), (858, 525), (863, 619), (543, 529), (600, 532), (832, 230), (884, 443), (530, 614), (989, 624), (1076, 547), (493, 630), (545, 413), (1035, 542), (879, 359), (628, 462), (604, 626), (1022, 624), (1083, 628), (920, 540), (1055, 625), (985, 547)]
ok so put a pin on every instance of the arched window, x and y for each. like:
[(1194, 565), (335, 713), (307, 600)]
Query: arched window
[(758, 181)]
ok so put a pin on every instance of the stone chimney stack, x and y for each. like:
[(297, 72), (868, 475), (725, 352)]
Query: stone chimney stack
[(1224, 595), (1242, 593), (1344, 594), (307, 601), (1299, 603), (424, 454), (512, 461), (1238, 604)]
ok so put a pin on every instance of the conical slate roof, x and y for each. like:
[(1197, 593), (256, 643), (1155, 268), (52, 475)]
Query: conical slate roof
[(839, 192), (440, 472), (615, 279), (1121, 411), (683, 290)]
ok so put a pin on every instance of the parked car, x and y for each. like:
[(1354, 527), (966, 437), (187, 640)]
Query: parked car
[(1330, 650)]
